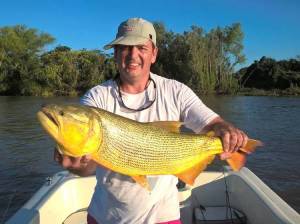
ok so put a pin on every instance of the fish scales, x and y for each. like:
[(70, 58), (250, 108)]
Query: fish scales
[(129, 151)]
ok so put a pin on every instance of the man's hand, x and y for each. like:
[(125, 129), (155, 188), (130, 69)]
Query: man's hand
[(82, 166), (232, 138)]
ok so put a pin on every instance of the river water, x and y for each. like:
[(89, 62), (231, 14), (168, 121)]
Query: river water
[(26, 151)]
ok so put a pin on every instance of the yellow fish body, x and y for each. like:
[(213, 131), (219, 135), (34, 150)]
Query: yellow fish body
[(133, 148)]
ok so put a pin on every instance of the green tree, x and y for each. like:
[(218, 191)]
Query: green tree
[(67, 72), (269, 74), (20, 48), (164, 39), (204, 61)]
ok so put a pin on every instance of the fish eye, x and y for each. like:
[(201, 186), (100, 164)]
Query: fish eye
[(61, 113)]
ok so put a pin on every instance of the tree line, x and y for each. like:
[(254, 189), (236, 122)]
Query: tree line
[(205, 61), (282, 76)]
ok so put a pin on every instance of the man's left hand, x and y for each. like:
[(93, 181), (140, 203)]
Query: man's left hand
[(232, 138)]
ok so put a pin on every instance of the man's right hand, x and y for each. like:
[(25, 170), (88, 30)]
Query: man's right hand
[(82, 166)]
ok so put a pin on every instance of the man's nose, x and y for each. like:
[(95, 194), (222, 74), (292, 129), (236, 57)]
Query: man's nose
[(133, 51)]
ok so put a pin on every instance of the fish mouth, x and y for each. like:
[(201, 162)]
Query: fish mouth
[(48, 122), (49, 116)]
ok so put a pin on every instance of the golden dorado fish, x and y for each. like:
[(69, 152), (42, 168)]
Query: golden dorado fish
[(133, 148)]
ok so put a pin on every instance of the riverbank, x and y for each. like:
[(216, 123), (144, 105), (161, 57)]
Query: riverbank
[(292, 91)]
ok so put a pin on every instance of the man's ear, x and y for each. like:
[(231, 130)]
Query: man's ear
[(154, 55)]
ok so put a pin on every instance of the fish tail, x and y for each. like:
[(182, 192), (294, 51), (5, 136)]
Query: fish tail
[(238, 158)]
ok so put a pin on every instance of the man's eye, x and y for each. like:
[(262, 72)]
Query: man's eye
[(143, 48), (123, 47)]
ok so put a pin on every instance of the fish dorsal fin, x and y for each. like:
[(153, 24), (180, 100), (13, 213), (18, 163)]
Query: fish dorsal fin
[(171, 126), (188, 176), (142, 180)]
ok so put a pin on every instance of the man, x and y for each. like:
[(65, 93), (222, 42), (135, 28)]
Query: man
[(138, 94)]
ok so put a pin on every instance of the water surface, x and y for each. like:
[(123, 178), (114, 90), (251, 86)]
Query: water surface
[(27, 151)]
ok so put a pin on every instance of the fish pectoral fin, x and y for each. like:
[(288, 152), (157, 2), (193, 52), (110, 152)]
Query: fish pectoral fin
[(188, 176), (141, 180), (171, 126)]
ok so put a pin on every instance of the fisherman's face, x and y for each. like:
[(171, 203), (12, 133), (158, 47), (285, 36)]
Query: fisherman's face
[(135, 61)]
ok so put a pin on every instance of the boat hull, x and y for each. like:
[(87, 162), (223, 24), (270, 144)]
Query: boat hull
[(64, 201)]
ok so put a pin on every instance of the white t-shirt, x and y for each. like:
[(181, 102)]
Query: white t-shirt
[(117, 198)]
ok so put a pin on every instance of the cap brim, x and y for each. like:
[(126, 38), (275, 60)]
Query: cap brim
[(127, 40)]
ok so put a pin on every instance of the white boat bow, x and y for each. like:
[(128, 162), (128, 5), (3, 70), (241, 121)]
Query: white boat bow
[(216, 197)]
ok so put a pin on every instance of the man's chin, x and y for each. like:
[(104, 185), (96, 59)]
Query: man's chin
[(132, 73)]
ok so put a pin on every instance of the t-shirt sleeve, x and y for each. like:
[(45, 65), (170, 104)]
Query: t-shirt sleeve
[(93, 97), (87, 99), (194, 113)]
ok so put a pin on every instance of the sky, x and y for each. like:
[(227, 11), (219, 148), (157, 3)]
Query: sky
[(271, 27)]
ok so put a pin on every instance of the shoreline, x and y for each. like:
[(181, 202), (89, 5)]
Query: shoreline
[(241, 92)]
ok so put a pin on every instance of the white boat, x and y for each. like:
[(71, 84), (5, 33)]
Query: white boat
[(217, 197)]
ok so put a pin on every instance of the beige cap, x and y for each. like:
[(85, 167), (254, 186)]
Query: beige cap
[(134, 31)]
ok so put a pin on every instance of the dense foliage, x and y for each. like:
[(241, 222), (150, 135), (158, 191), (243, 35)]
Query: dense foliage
[(268, 74), (205, 61), (20, 64), (26, 69)]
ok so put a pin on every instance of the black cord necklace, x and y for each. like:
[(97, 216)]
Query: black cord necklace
[(147, 104)]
